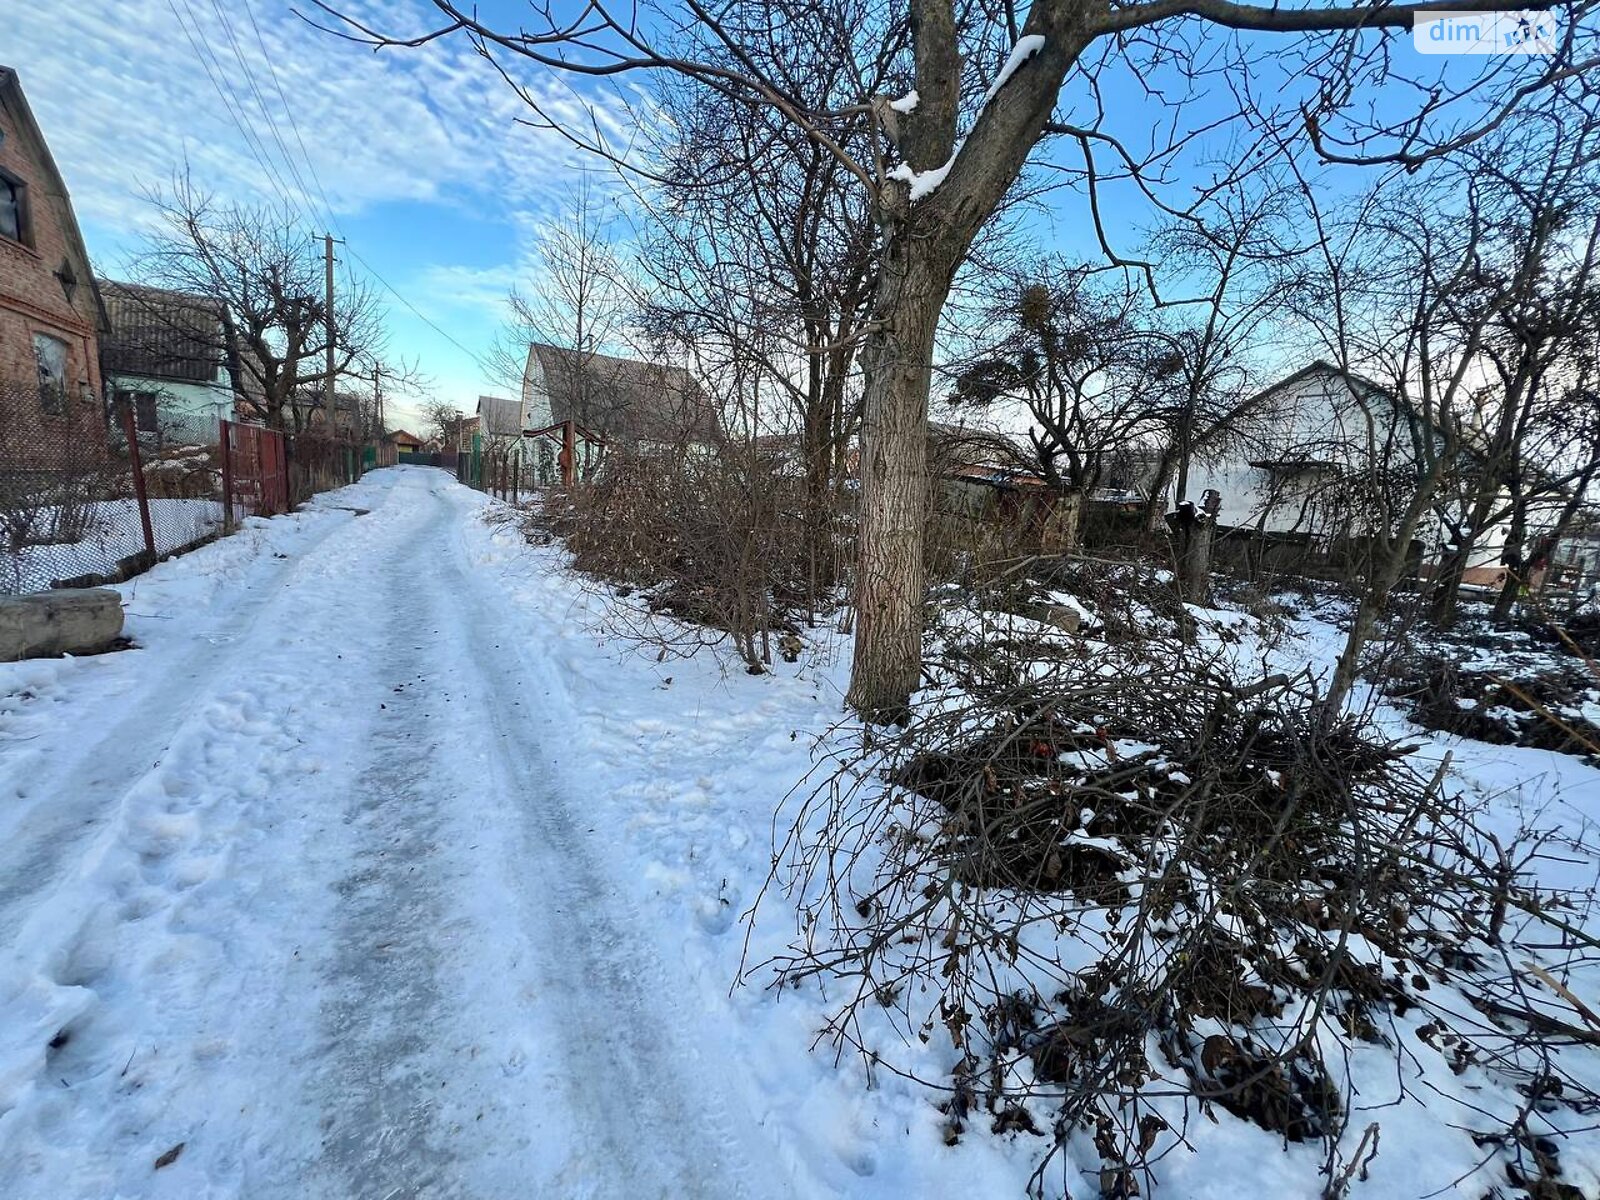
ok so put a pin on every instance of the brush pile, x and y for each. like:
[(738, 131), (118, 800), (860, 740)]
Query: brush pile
[(1130, 879)]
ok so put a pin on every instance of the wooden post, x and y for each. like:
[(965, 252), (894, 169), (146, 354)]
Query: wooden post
[(225, 430), (130, 428), (1192, 531), (1195, 583), (569, 454)]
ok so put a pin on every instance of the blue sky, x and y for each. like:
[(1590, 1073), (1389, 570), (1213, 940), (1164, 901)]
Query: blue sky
[(425, 169), (416, 157)]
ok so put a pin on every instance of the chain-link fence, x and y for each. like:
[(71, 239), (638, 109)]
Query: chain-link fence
[(90, 496), (78, 502)]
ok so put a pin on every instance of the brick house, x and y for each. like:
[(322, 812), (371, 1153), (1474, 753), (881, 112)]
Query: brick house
[(51, 316)]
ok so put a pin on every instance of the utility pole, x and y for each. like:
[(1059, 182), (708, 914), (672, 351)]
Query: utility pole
[(327, 383), (377, 399)]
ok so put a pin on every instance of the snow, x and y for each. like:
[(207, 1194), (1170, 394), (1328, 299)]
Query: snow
[(906, 103), (925, 183), (374, 871), (1068, 600), (1025, 49), (112, 532), (382, 867)]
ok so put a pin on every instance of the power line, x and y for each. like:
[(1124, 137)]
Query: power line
[(264, 159), (395, 292), (261, 104), (294, 123), (257, 152)]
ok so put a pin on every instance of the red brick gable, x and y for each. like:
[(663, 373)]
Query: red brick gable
[(37, 273)]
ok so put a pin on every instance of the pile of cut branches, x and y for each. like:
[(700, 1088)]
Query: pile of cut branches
[(1127, 881)]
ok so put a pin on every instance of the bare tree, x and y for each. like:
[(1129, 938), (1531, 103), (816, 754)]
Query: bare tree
[(1537, 345), (760, 241), (1238, 259), (1111, 380), (579, 295), (440, 419), (987, 84), (265, 276), (1088, 365), (1416, 290)]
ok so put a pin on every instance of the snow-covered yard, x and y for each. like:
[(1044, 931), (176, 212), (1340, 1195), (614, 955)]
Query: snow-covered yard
[(111, 532), (378, 869)]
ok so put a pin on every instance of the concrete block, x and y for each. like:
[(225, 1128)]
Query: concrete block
[(68, 621)]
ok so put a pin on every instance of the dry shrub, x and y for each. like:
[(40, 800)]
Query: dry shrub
[(712, 537), (39, 508), (1124, 863)]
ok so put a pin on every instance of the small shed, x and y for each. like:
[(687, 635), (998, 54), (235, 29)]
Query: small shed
[(406, 444)]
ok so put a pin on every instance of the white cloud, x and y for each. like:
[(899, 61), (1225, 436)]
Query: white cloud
[(125, 100), (480, 292)]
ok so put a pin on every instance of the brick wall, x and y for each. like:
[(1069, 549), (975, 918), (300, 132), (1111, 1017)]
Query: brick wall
[(32, 298)]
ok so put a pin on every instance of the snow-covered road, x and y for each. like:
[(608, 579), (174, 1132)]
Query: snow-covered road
[(295, 887), (384, 868)]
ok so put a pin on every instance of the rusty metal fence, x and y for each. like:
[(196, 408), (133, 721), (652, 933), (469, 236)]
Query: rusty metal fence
[(88, 497), (82, 501), (266, 472), (255, 471)]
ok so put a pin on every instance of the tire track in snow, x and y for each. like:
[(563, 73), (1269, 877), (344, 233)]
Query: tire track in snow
[(648, 1099), (378, 1080), (497, 1022)]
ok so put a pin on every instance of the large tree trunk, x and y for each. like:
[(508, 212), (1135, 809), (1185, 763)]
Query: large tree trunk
[(1515, 560), (1446, 584), (1155, 505), (890, 571), (1389, 562), (926, 239)]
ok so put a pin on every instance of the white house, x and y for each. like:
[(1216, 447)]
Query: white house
[(1327, 439), (610, 400), (502, 423), (165, 355)]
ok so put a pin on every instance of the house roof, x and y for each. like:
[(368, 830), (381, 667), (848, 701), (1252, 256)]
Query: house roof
[(12, 96), (623, 397), (1470, 440), (160, 334), (964, 445), (1321, 366), (401, 435), (997, 476), (1365, 387), (500, 417), (1292, 464)]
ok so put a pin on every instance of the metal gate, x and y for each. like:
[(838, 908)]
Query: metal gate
[(255, 471)]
